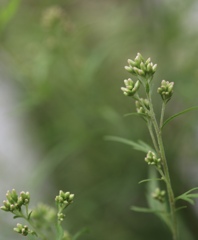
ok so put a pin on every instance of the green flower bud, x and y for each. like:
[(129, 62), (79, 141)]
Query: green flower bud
[(60, 216), (131, 63), (166, 90), (147, 61), (64, 199), (159, 195), (154, 68), (71, 197), (130, 87), (140, 67), (24, 198), (22, 229), (6, 206), (129, 69), (139, 59), (9, 197), (143, 108), (152, 159)]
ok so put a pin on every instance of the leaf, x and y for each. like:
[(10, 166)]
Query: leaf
[(180, 208), (150, 179), (139, 146), (191, 190), (16, 216), (135, 114), (29, 215), (178, 114), (80, 233), (187, 197), (145, 210), (195, 195)]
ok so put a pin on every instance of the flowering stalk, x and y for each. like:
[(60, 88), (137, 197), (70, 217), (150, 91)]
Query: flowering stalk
[(40, 220), (144, 70)]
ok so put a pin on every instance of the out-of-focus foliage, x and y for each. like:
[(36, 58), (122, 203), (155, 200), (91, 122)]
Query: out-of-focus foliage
[(67, 57)]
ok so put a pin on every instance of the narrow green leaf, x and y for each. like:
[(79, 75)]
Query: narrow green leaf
[(185, 198), (16, 216), (187, 195), (29, 215), (139, 146), (191, 190), (178, 114), (150, 179), (135, 114), (193, 195), (80, 233), (180, 208), (145, 210)]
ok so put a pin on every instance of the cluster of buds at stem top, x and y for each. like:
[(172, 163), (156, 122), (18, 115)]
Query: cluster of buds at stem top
[(63, 200), (130, 87), (22, 229), (166, 90), (142, 107), (159, 195), (15, 202), (152, 159), (140, 67)]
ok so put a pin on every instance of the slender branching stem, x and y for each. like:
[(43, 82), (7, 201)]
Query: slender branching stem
[(162, 114), (165, 168), (153, 137)]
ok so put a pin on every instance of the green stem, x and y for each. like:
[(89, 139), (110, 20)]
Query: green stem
[(165, 167), (162, 115), (150, 128), (25, 216)]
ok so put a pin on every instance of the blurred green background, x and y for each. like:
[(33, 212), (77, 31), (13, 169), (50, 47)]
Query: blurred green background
[(67, 58)]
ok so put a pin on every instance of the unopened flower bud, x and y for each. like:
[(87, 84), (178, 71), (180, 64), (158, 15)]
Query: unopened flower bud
[(130, 87), (152, 159), (166, 90), (129, 69), (159, 195)]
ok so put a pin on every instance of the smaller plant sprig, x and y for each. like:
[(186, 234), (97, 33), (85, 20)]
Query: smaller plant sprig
[(43, 219), (144, 71)]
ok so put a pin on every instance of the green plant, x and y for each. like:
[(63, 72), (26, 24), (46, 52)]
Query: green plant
[(43, 222), (162, 202)]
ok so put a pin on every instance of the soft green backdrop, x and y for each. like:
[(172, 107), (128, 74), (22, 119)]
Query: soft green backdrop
[(67, 58)]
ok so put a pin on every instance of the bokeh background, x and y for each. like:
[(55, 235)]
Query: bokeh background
[(61, 69)]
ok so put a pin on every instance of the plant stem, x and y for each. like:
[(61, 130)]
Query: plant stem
[(162, 114), (150, 128), (165, 166)]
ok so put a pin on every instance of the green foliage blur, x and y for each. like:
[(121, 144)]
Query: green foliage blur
[(67, 57)]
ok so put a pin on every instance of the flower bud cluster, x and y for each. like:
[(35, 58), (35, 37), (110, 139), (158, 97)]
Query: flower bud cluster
[(166, 90), (159, 195), (22, 229), (142, 106), (64, 199), (15, 202), (140, 67), (60, 216), (152, 159), (130, 87)]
